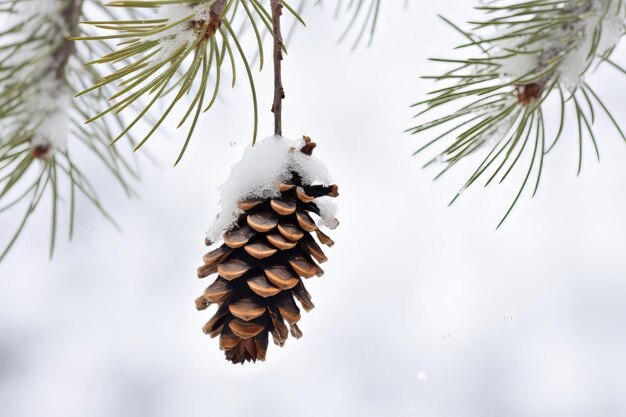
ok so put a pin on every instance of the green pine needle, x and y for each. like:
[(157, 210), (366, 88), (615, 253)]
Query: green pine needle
[(179, 61), (33, 170), (488, 109)]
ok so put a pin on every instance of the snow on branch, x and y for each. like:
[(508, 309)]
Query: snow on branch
[(41, 123), (531, 55), (184, 51)]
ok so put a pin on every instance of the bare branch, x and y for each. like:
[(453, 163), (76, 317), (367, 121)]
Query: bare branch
[(279, 91)]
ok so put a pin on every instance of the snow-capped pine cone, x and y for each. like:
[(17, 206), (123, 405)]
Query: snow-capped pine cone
[(260, 267)]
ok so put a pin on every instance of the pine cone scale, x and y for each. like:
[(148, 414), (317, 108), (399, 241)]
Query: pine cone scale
[(282, 277), (261, 286), (233, 269), (290, 231), (239, 237), (246, 329), (313, 249), (303, 267), (248, 205), (218, 292), (280, 241), (283, 207), (306, 222), (263, 222), (247, 309), (260, 250)]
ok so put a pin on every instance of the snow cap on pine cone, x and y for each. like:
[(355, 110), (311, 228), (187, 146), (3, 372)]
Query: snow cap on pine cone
[(259, 172)]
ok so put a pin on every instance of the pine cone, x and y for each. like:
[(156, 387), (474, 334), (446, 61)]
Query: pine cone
[(260, 267)]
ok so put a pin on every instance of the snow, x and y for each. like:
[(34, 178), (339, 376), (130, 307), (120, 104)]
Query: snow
[(421, 376), (45, 99), (515, 65), (108, 328), (50, 100), (574, 42), (37, 17), (180, 35), (259, 172), (607, 16), (494, 135), (518, 65), (328, 212)]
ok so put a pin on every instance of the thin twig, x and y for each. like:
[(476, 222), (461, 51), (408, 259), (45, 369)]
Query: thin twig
[(71, 16), (218, 10), (279, 91)]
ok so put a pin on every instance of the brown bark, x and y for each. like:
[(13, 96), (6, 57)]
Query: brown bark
[(279, 91), (71, 17)]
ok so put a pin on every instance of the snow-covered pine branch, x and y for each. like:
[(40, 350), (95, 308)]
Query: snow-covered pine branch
[(531, 54), (42, 125), (33, 84), (185, 50)]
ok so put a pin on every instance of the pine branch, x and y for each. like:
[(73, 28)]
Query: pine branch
[(184, 52), (71, 16), (531, 54), (41, 124)]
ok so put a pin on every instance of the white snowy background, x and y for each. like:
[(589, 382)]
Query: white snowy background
[(424, 310)]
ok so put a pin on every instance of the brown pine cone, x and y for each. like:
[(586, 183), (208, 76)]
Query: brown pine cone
[(260, 267)]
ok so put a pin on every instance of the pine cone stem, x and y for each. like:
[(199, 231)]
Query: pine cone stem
[(279, 91)]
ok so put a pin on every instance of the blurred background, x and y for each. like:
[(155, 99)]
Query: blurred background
[(424, 310)]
